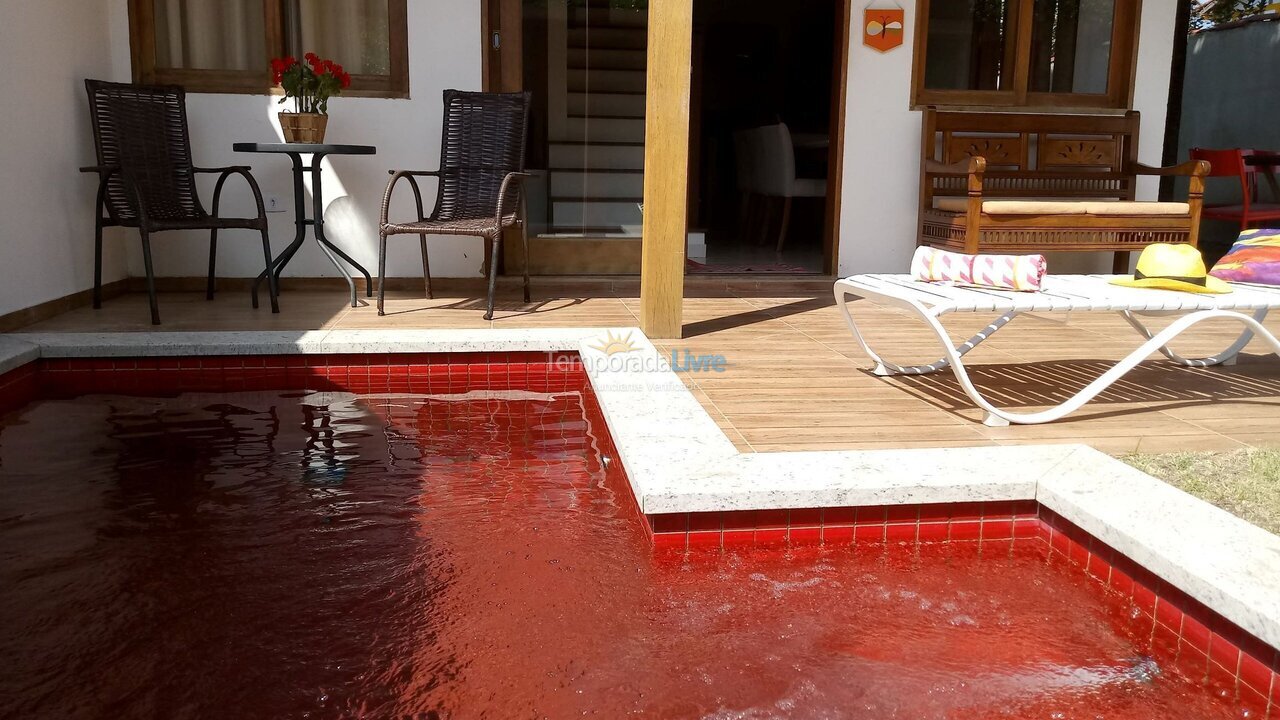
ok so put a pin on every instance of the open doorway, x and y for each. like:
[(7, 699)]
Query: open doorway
[(764, 116)]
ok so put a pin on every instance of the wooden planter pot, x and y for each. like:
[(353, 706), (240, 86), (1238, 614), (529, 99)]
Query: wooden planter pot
[(303, 127)]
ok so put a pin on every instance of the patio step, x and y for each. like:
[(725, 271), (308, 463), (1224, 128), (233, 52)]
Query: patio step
[(597, 211), (597, 183), (631, 38), (604, 17), (629, 156), (607, 58), (593, 129), (598, 104), (606, 80)]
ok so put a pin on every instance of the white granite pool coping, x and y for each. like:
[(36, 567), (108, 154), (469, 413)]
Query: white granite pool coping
[(678, 460)]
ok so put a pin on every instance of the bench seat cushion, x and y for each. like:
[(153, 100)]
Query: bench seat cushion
[(1137, 208), (1065, 207), (1014, 207)]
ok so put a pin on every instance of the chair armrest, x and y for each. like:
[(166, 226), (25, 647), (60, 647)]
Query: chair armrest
[(396, 176), (512, 177), (1195, 168), (100, 169), (228, 169), (226, 172)]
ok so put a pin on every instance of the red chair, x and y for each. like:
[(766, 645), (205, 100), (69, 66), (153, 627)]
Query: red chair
[(1230, 163)]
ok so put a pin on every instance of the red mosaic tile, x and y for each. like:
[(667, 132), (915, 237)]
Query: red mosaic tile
[(1168, 614), (771, 519), (899, 514), (771, 536), (869, 533), (806, 518), (838, 516), (933, 532), (896, 533), (806, 535), (1001, 529), (1192, 663), (869, 515), (670, 522), (704, 538), (965, 530), (1255, 674), (1195, 633), (837, 534), (739, 519), (702, 522)]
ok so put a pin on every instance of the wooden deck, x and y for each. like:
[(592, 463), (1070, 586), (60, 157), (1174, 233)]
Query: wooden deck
[(798, 381)]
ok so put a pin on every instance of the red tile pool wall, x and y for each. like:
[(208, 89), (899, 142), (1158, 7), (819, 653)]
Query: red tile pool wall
[(1171, 626), (427, 373), (875, 524), (1167, 623)]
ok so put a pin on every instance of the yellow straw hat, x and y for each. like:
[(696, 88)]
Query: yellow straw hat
[(1173, 267)]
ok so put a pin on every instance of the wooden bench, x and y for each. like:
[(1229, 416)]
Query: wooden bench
[(1019, 182)]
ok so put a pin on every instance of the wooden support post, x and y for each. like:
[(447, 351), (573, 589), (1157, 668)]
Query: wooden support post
[(666, 167)]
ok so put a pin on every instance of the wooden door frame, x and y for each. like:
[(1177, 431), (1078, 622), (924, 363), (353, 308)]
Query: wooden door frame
[(502, 66), (835, 151), (669, 89)]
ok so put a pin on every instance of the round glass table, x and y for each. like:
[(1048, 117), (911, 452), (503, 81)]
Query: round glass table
[(317, 151)]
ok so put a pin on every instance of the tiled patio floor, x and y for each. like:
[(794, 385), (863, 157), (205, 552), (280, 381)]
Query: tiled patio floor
[(798, 381)]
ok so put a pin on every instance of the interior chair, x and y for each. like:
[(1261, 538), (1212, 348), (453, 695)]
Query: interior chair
[(1247, 212), (480, 184), (777, 173), (746, 160), (146, 179)]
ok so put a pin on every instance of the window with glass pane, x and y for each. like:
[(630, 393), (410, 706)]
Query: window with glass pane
[(969, 45), (197, 34), (225, 45), (1025, 53), (353, 33), (1071, 45)]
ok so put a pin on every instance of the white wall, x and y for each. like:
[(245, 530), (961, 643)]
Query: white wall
[(444, 52), (882, 144), (47, 48)]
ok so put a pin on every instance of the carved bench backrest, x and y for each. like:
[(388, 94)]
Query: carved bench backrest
[(1036, 155)]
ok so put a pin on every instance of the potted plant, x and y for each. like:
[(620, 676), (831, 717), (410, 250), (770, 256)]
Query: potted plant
[(309, 84)]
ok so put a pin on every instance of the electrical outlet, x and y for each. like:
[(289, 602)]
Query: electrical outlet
[(273, 203)]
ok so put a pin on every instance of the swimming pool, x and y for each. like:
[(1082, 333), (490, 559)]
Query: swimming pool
[(458, 539)]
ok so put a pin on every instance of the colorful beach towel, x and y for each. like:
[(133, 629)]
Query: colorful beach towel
[(999, 272), (1254, 258)]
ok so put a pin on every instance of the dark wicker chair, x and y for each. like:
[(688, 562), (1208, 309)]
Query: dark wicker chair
[(480, 183), (146, 179)]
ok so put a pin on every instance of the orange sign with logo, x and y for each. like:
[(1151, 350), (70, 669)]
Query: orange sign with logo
[(882, 28)]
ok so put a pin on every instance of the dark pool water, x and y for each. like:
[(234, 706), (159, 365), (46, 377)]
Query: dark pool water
[(286, 555)]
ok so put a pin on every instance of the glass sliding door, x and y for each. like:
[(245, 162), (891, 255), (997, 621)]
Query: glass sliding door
[(584, 62)]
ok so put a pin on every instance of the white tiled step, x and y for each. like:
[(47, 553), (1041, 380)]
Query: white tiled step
[(596, 213), (605, 80), (604, 129), (609, 37), (585, 183), (598, 103), (606, 58), (576, 155)]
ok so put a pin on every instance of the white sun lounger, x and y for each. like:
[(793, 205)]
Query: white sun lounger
[(1061, 293)]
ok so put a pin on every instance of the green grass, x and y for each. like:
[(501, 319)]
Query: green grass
[(1245, 482)]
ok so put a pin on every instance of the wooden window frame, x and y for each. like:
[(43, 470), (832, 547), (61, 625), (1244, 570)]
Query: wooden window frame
[(142, 44), (1123, 64)]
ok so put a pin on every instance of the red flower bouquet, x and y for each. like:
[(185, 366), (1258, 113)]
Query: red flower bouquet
[(309, 83)]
